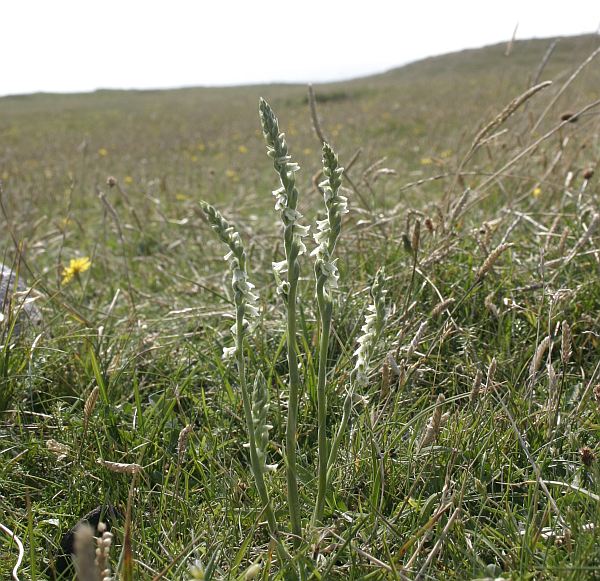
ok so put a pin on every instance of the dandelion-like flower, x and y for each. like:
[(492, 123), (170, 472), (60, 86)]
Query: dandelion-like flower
[(329, 229), (75, 268), (372, 328), (244, 298)]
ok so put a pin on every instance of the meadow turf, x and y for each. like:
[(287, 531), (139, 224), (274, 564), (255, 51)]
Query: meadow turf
[(498, 477)]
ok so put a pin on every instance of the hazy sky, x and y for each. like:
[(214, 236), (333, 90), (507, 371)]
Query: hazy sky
[(81, 45)]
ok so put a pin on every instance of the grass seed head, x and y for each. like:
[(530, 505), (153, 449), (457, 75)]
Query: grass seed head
[(540, 352), (489, 381), (492, 258), (569, 116), (476, 386), (90, 404), (120, 467), (441, 307), (182, 441), (435, 423), (416, 341), (588, 173), (416, 237)]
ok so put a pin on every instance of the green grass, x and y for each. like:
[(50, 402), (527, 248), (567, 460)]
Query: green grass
[(148, 322)]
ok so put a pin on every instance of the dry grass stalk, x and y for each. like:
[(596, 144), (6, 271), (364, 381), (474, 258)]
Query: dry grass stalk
[(314, 115), (511, 42), (372, 168), (563, 241), (458, 207), (439, 543), (416, 339), (385, 379), (506, 113), (583, 240), (489, 381), (491, 259), (352, 161), (565, 344), (564, 87), (382, 172), (544, 62), (493, 178)]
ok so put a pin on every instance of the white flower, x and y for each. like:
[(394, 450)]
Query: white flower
[(229, 353)]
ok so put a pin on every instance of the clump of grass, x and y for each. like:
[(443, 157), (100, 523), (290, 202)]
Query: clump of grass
[(508, 487)]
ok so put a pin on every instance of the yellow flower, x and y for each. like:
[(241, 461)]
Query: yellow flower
[(426, 161), (103, 152), (128, 180), (536, 192), (243, 149), (75, 268)]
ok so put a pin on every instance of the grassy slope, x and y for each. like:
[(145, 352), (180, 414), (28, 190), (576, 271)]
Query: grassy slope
[(157, 356)]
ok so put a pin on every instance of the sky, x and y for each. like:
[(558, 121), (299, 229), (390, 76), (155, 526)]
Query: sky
[(82, 45)]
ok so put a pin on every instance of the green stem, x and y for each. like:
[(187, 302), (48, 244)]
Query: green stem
[(325, 309), (340, 433), (292, 421), (254, 461)]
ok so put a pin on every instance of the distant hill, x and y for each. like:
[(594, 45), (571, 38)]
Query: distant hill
[(425, 110)]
